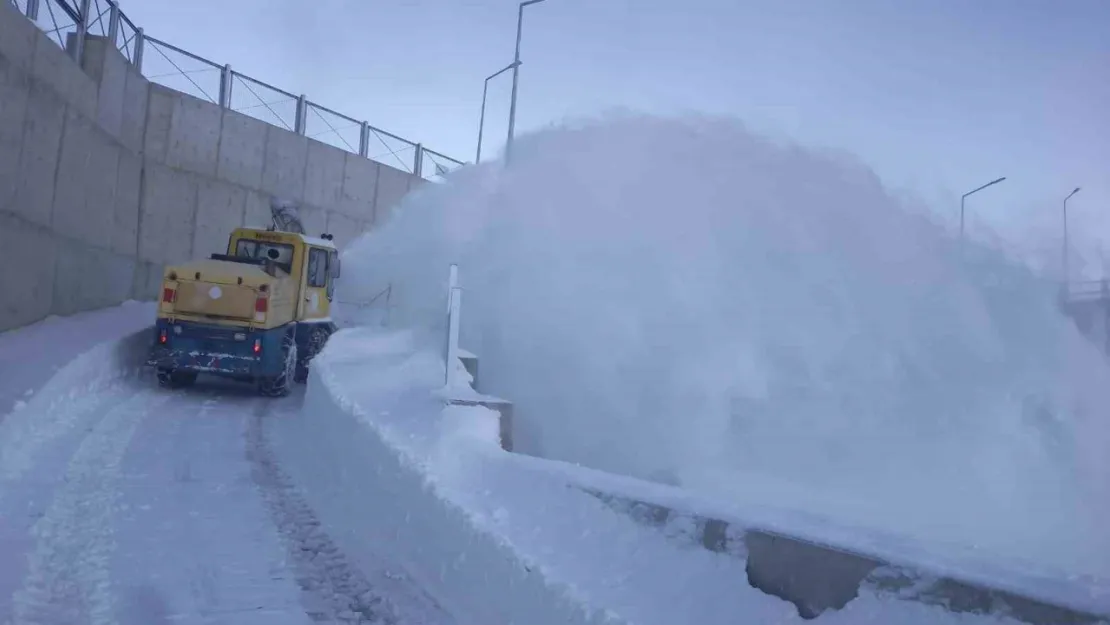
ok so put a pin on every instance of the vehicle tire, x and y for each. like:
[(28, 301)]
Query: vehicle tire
[(171, 378), (316, 340), (278, 386)]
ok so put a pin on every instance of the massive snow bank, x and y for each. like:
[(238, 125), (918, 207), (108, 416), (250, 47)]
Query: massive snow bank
[(397, 478), (687, 302)]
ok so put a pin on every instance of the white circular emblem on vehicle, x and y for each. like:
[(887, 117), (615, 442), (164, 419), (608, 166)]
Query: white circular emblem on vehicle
[(215, 292)]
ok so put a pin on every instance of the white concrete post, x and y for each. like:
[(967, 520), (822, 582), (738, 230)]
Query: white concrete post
[(113, 21), (81, 32), (302, 115), (450, 349), (226, 76), (364, 140), (140, 43)]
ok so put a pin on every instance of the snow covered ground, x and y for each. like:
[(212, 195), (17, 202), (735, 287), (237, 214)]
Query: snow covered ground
[(124, 503)]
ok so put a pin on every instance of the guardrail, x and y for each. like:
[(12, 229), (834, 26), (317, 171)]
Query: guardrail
[(1087, 290), (174, 67)]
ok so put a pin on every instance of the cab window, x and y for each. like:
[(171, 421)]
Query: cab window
[(317, 268), (280, 253)]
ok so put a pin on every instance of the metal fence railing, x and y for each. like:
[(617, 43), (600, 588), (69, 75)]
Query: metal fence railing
[(179, 69)]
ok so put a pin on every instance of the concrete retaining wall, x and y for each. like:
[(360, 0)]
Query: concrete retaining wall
[(105, 177)]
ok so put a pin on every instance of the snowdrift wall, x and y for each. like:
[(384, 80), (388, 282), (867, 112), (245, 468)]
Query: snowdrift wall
[(106, 177), (684, 301)]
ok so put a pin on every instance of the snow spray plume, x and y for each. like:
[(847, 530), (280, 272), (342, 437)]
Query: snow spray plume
[(684, 301)]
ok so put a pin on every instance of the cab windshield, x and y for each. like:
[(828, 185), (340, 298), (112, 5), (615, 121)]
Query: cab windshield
[(280, 254)]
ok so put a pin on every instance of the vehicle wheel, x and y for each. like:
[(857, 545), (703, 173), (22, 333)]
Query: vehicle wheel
[(278, 386), (315, 344), (171, 378)]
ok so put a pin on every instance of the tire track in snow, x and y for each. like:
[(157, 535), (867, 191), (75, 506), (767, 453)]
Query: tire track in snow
[(68, 578), (334, 590)]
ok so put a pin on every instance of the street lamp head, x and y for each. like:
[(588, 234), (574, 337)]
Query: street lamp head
[(1076, 191), (527, 2)]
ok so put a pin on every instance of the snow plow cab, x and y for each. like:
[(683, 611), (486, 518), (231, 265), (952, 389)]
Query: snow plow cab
[(258, 313)]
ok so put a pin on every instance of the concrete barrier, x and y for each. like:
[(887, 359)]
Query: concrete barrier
[(106, 177)]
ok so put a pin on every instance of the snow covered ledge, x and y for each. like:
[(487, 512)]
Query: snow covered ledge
[(402, 480)]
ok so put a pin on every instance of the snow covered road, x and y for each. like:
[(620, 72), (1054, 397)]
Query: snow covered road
[(153, 506)]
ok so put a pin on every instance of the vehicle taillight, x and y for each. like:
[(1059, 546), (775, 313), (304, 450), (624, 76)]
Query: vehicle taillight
[(257, 346), (168, 295), (162, 337), (261, 305)]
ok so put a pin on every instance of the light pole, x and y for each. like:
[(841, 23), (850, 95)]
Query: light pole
[(1065, 250), (516, 75), (964, 197), (482, 118)]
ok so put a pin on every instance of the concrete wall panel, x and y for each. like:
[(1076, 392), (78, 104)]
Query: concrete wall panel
[(90, 277), (393, 184), (220, 208), (344, 228), (257, 212), (67, 216), (147, 284), (167, 214), (159, 118), (125, 218), (315, 220), (324, 174), (27, 275), (17, 37), (360, 183), (242, 150), (13, 112), (135, 96), (283, 170), (56, 69), (194, 135), (38, 160), (112, 87)]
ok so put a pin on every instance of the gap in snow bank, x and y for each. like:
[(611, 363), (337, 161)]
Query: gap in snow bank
[(683, 301)]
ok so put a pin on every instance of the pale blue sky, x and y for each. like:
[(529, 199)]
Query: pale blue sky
[(937, 96)]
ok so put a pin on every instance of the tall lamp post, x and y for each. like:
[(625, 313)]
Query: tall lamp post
[(964, 197), (516, 75), (482, 118), (1065, 250)]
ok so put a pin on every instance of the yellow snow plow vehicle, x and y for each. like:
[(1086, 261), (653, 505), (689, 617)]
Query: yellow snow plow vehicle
[(258, 313)]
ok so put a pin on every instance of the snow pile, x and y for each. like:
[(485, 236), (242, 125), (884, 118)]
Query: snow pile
[(70, 393), (495, 537), (29, 356), (686, 302)]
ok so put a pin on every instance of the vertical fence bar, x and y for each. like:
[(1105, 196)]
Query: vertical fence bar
[(113, 22), (33, 10), (226, 76), (302, 115), (137, 53), (418, 161), (364, 140), (78, 51)]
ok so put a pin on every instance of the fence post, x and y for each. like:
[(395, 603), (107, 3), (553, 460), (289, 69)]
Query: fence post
[(364, 140), (226, 76), (82, 30), (302, 115), (113, 21), (137, 57), (418, 162), (33, 10)]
